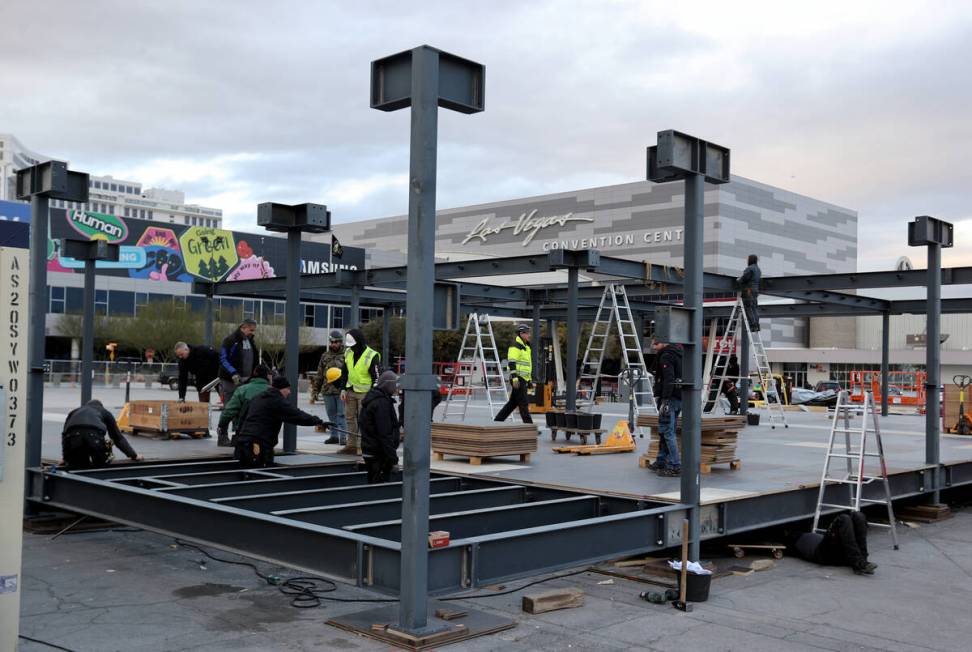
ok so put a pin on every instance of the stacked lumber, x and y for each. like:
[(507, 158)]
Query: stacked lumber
[(719, 439), (478, 442)]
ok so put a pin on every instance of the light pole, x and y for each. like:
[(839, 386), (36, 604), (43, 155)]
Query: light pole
[(676, 157), (90, 251), (293, 220), (40, 184)]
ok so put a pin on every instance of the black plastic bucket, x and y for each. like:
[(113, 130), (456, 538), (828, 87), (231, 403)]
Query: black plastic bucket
[(696, 586), (551, 418), (596, 420), (560, 419), (752, 418), (585, 421)]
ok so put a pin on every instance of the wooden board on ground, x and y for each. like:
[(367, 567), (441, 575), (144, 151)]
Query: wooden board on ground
[(538, 603)]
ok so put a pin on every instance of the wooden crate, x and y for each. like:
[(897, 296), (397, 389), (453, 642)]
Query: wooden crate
[(163, 417)]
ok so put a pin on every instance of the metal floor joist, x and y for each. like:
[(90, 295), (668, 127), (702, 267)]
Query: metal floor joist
[(324, 518)]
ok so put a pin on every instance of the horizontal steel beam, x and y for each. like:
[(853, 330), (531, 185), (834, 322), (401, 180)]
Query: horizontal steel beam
[(835, 298), (920, 306), (846, 281), (271, 486)]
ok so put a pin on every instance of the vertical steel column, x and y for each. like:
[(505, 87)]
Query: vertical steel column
[(420, 282), (933, 365), (39, 209), (208, 317), (386, 337), (355, 308), (570, 361), (744, 354), (885, 354), (536, 339), (87, 331), (692, 365), (292, 331)]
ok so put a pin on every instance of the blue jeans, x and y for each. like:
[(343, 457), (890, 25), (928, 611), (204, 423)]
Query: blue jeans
[(334, 407), (667, 444)]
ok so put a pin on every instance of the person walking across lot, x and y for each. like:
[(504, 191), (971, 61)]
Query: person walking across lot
[(362, 367), (327, 384), (520, 360)]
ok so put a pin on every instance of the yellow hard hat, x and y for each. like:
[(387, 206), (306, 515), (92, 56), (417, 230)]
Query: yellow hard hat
[(332, 374)]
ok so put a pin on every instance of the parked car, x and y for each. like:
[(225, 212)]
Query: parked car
[(172, 380), (828, 385)]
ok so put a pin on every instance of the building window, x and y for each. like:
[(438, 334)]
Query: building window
[(141, 300), (101, 302), (151, 215), (309, 315), (249, 309), (57, 301), (337, 317), (128, 212)]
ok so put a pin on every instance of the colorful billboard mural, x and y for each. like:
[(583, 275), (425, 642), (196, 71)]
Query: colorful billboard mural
[(173, 252)]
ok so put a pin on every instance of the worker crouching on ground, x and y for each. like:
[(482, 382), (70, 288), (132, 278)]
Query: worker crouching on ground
[(379, 428), (362, 363), (844, 544), (260, 424), (520, 360), (668, 397), (259, 383), (83, 442), (237, 357), (749, 289), (200, 361), (328, 382)]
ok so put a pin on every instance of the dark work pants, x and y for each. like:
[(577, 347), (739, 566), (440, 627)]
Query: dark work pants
[(732, 396), (379, 468), (518, 399), (85, 449), (751, 307), (845, 543), (254, 455)]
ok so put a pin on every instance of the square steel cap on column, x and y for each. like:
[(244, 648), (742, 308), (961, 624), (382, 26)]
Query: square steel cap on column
[(54, 180), (926, 230), (89, 249), (677, 155), (462, 83), (311, 218)]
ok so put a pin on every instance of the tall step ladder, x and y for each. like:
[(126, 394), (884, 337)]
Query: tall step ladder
[(615, 309), (854, 454), (710, 397), (478, 369)]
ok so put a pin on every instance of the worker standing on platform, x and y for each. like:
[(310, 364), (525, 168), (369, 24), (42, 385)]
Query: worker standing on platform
[(328, 383), (83, 442), (749, 290), (261, 420), (259, 383), (237, 357), (202, 362), (379, 428), (844, 544), (520, 360), (362, 364), (668, 396), (729, 384)]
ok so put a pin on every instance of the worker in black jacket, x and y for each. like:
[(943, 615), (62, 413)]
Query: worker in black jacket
[(844, 544), (668, 398), (260, 422), (83, 442), (749, 290), (202, 362), (237, 357), (379, 428), (729, 384)]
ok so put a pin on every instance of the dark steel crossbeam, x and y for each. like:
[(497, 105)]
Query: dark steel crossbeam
[(846, 281), (919, 306), (836, 298), (274, 486)]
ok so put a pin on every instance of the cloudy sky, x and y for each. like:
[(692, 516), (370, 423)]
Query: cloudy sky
[(862, 104)]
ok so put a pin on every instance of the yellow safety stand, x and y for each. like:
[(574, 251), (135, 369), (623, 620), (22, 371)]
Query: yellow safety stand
[(619, 441), (122, 419)]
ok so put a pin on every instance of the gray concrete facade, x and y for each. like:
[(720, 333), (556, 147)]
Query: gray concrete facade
[(791, 233)]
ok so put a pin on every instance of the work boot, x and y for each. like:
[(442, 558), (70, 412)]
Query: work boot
[(867, 568), (670, 472), (348, 450), (655, 466), (332, 440), (223, 438)]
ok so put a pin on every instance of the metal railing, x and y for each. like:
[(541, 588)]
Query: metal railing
[(108, 373)]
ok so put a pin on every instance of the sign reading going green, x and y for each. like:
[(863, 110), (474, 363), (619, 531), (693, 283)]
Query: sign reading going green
[(98, 226), (209, 253)]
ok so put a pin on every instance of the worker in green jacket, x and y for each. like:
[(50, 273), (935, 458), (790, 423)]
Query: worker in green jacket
[(259, 382), (520, 360), (362, 366)]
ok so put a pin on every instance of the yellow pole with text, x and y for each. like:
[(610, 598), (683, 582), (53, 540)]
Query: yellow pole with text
[(14, 272)]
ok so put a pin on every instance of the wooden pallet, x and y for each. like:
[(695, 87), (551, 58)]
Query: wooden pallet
[(477, 460), (704, 467), (197, 433), (593, 450), (583, 433)]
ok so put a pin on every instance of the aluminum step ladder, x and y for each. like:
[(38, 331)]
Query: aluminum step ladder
[(479, 368), (614, 309), (763, 374), (855, 454)]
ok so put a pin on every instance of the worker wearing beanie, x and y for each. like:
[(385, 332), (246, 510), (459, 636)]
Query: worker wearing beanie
[(379, 428), (260, 422), (362, 363), (330, 391)]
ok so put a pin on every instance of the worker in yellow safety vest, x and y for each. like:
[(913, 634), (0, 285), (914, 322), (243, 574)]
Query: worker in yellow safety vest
[(520, 359), (362, 366)]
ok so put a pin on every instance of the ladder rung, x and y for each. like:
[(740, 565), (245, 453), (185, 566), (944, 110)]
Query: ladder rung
[(874, 501), (836, 506)]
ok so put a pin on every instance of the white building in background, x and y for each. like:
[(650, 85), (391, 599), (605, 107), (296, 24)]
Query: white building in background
[(108, 195)]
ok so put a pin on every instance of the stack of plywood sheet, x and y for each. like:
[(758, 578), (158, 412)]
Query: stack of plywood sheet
[(719, 438), (480, 442)]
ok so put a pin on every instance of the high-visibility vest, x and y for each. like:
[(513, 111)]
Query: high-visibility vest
[(359, 379), (519, 354)]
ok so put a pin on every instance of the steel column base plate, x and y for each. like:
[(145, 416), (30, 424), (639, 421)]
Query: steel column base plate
[(382, 624)]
